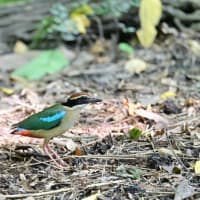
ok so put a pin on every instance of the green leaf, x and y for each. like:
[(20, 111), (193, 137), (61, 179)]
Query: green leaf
[(47, 62), (135, 133), (129, 172), (125, 47)]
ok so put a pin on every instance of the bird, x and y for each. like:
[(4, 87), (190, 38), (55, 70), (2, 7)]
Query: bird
[(54, 121)]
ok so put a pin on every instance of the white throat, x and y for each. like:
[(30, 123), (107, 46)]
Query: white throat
[(79, 107)]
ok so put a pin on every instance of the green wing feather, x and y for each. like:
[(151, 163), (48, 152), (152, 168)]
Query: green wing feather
[(47, 119)]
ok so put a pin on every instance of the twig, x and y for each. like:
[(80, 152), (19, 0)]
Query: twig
[(160, 192), (176, 156), (17, 196), (123, 157)]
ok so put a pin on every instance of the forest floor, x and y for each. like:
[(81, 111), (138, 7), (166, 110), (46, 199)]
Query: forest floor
[(162, 100)]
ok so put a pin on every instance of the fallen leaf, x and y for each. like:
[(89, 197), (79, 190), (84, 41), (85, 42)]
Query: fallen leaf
[(135, 66), (167, 95), (93, 196), (197, 167), (99, 46), (165, 151), (150, 14), (71, 145), (153, 116), (129, 172), (125, 47), (7, 91), (192, 102), (194, 47), (184, 190), (131, 107), (47, 62), (78, 152), (146, 36), (20, 47), (135, 133)]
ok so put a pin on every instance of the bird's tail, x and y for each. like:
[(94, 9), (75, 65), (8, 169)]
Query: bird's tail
[(13, 131), (20, 131)]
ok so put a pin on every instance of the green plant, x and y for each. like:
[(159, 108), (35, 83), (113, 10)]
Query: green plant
[(56, 25), (11, 1), (66, 23)]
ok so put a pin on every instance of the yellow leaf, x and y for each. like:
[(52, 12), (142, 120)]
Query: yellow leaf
[(84, 9), (150, 12), (136, 66), (82, 22), (197, 167), (167, 95), (146, 36), (7, 91), (20, 47)]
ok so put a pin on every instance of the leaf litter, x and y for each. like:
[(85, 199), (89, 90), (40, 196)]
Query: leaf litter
[(104, 162)]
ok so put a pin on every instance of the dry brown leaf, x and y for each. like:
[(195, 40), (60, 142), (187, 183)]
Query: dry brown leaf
[(192, 102), (99, 46), (161, 121), (78, 152)]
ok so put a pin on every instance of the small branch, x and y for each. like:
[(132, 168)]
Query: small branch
[(124, 157), (118, 157), (17, 196)]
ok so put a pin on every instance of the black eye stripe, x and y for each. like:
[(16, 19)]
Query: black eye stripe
[(73, 102)]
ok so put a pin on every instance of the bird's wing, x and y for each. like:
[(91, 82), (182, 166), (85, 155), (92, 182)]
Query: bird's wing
[(47, 119)]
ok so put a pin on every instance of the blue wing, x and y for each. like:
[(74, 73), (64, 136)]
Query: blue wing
[(47, 119)]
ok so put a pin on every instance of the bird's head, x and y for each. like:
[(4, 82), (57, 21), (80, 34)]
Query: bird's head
[(80, 100)]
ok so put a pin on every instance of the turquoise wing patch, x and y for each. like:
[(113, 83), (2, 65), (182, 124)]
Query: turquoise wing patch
[(54, 117), (45, 120)]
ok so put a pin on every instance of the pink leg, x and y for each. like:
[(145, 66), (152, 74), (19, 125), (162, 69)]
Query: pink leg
[(53, 155)]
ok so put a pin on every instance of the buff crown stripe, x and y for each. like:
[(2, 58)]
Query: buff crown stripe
[(73, 98)]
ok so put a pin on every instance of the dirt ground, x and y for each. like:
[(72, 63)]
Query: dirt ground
[(102, 159)]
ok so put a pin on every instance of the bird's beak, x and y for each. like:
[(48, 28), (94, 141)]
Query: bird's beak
[(92, 100)]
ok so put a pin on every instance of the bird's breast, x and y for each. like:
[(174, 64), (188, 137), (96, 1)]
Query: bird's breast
[(67, 122)]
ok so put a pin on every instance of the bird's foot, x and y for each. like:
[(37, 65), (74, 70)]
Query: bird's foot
[(54, 156)]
